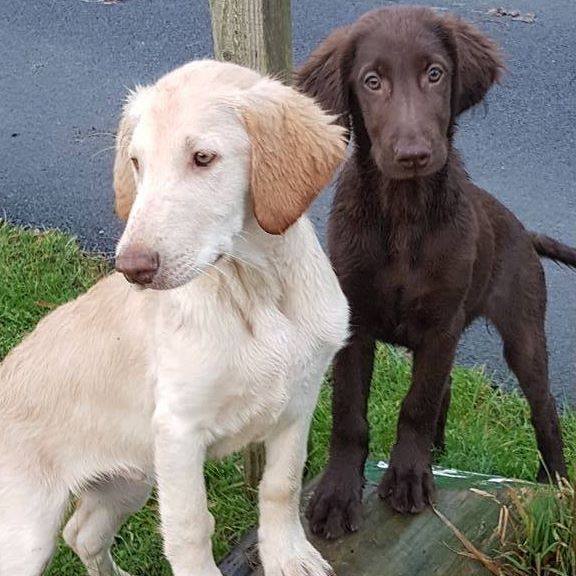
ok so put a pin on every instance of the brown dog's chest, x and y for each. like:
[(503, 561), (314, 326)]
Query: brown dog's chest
[(410, 282), (407, 255), (402, 301)]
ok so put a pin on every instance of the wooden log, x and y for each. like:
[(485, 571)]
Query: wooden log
[(257, 34), (395, 545)]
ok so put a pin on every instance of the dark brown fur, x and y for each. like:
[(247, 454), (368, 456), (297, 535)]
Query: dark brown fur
[(420, 251)]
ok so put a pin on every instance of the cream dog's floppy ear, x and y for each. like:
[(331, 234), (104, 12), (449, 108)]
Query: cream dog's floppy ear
[(124, 183), (295, 149)]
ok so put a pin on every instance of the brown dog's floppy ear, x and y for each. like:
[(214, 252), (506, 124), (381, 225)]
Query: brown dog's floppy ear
[(295, 149), (480, 63), (124, 183), (321, 76)]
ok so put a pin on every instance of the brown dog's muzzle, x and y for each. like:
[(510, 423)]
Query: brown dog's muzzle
[(416, 156), (139, 264)]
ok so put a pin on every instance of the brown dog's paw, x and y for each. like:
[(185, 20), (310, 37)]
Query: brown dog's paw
[(336, 506), (407, 487)]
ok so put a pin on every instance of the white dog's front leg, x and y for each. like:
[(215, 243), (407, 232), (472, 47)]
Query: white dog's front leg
[(187, 525), (284, 549)]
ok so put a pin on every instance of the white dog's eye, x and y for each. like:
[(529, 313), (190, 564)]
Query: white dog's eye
[(135, 163), (203, 158)]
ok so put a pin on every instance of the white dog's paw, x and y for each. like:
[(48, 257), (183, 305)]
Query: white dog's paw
[(206, 572), (302, 560), (209, 571)]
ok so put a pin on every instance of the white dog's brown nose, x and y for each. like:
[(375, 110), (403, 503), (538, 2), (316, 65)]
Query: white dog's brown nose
[(138, 263)]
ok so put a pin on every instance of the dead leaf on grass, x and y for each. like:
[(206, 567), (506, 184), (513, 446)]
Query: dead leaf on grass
[(47, 305)]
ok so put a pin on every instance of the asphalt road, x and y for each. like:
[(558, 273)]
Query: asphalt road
[(66, 65)]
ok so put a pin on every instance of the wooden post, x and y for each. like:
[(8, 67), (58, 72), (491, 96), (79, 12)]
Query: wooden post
[(257, 34), (254, 33)]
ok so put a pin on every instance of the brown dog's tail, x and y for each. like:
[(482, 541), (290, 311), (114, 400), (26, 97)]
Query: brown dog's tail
[(550, 248)]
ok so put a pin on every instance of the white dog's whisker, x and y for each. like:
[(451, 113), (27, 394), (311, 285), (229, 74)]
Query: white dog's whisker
[(103, 151)]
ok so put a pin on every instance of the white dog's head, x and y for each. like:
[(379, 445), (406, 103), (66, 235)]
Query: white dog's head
[(204, 149)]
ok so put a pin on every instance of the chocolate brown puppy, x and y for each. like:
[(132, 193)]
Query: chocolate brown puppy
[(420, 251)]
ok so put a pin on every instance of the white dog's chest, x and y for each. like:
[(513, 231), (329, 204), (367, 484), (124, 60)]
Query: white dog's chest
[(262, 371)]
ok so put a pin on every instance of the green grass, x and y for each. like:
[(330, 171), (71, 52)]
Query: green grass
[(488, 431), (538, 533), (38, 271)]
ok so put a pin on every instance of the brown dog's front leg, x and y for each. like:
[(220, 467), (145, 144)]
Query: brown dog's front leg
[(336, 505), (408, 484)]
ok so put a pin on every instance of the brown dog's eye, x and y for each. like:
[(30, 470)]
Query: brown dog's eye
[(135, 163), (372, 81), (434, 74), (202, 159)]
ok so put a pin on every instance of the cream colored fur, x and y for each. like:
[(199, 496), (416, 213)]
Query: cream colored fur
[(123, 387)]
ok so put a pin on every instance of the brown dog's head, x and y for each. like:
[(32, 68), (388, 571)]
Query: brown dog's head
[(402, 75)]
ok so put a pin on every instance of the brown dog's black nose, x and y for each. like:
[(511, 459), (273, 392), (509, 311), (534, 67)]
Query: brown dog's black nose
[(138, 264), (411, 157)]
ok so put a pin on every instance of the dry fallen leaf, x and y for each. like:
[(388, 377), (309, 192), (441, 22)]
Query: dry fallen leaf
[(103, 1), (528, 17), (44, 304)]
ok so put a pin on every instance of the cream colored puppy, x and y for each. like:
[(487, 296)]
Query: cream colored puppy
[(124, 386)]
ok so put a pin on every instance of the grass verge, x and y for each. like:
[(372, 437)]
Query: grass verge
[(38, 271), (488, 431), (537, 532)]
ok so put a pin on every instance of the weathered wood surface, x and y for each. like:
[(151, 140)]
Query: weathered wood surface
[(254, 33), (389, 544), (257, 34)]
